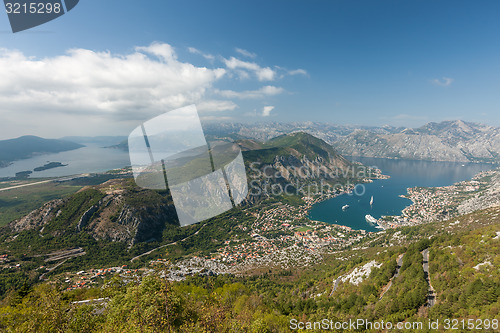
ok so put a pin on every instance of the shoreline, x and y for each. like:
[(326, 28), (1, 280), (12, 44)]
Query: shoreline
[(330, 195)]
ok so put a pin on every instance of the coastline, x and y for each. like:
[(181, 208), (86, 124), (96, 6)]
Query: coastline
[(310, 202), (444, 202)]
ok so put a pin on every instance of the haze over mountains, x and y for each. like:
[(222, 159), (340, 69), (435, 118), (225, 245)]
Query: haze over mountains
[(455, 141)]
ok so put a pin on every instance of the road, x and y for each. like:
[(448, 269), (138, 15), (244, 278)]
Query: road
[(335, 285), (42, 277), (24, 185), (159, 247), (431, 294), (396, 274)]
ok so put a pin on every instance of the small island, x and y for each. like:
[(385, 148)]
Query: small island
[(23, 174), (50, 165)]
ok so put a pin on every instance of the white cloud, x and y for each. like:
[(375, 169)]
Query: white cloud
[(216, 118), (34, 93), (298, 71), (216, 105), (87, 92), (249, 94), (266, 111), (204, 55), (245, 53), (443, 82), (262, 73), (404, 116)]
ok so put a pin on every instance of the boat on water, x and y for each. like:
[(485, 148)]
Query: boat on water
[(345, 207), (371, 201), (371, 220)]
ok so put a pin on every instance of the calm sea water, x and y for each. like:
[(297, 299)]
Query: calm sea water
[(386, 200), (84, 160)]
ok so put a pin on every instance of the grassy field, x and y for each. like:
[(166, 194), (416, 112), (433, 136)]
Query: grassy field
[(302, 229), (17, 202)]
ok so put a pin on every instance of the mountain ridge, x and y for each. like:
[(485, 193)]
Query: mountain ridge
[(26, 146), (455, 141)]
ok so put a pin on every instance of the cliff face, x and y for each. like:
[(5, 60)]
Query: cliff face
[(129, 215), (37, 218), (296, 163)]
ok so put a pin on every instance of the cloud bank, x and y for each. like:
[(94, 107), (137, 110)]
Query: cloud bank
[(86, 92)]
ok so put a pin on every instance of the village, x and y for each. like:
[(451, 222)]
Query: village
[(279, 232), (437, 203)]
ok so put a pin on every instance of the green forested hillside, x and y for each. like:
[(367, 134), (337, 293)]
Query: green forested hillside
[(271, 300)]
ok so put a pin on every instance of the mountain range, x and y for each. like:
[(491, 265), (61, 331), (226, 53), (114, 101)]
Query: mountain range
[(456, 141)]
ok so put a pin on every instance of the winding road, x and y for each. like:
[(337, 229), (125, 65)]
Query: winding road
[(431, 294), (335, 285), (396, 274), (173, 243)]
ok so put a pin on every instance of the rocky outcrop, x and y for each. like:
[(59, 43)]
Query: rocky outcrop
[(38, 218), (119, 216), (133, 224)]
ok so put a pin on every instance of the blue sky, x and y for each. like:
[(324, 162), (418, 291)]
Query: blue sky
[(401, 63)]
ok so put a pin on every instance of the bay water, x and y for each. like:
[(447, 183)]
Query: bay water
[(386, 192)]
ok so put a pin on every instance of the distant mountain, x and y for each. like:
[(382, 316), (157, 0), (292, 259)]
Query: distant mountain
[(122, 145), (455, 141), (265, 131), (297, 162), (27, 146), (101, 141)]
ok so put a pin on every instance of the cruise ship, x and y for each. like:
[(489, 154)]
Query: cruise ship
[(373, 221), (370, 219)]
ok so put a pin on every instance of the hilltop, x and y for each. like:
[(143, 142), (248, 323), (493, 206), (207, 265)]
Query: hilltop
[(27, 146)]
